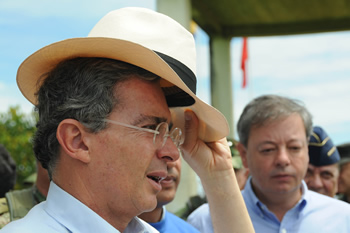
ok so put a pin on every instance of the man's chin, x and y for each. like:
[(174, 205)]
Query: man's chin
[(164, 198), (150, 205)]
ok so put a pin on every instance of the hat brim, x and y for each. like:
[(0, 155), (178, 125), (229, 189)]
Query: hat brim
[(212, 125)]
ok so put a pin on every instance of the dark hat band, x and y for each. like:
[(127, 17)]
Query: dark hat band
[(186, 75)]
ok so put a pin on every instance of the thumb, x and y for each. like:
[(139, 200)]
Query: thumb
[(191, 145), (191, 129)]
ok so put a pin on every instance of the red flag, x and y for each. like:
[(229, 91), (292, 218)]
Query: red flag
[(244, 61)]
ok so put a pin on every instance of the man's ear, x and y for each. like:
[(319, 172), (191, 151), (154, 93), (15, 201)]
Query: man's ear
[(243, 153), (71, 135)]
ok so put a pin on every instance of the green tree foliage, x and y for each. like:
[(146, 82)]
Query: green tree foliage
[(17, 130)]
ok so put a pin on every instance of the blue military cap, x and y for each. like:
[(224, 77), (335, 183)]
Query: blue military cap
[(322, 151)]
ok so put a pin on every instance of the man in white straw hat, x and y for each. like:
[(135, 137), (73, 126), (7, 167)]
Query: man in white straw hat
[(114, 109)]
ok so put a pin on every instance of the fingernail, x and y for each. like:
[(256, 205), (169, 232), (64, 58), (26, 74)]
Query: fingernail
[(188, 116)]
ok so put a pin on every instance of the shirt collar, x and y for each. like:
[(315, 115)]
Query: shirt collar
[(77, 217), (163, 213), (252, 199)]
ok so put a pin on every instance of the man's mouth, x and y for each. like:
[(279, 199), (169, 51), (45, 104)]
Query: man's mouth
[(170, 178), (282, 177), (157, 179), (168, 182)]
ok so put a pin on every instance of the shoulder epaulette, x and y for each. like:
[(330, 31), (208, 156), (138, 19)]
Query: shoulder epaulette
[(20, 202)]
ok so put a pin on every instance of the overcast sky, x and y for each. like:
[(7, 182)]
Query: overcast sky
[(313, 68)]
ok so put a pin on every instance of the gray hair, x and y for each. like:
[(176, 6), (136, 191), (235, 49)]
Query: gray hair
[(80, 89), (268, 108)]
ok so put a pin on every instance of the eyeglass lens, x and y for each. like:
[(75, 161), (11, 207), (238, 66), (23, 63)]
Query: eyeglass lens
[(177, 137), (160, 139)]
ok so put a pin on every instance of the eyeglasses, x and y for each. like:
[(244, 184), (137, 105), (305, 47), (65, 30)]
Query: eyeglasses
[(161, 133)]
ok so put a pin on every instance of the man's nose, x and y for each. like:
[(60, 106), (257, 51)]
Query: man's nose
[(169, 152), (283, 158), (316, 182)]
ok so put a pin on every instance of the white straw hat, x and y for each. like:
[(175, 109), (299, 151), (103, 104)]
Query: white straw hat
[(144, 38)]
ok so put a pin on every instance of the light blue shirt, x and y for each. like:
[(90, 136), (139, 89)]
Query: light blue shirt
[(61, 212), (171, 223), (313, 213)]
